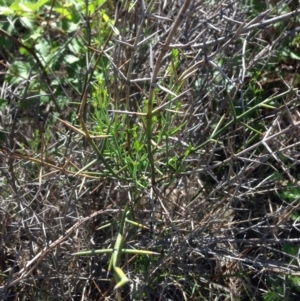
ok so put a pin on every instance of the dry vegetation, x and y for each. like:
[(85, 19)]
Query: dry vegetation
[(218, 190)]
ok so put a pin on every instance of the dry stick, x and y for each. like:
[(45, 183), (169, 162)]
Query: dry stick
[(236, 156), (284, 17), (247, 28), (166, 45), (228, 268), (154, 75), (82, 107), (33, 263), (130, 66), (63, 169)]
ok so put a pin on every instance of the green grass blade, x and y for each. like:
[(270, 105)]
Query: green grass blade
[(93, 252), (120, 275)]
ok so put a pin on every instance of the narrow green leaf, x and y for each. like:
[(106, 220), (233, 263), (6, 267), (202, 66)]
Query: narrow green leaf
[(117, 250), (104, 226), (139, 252), (93, 252), (136, 224), (122, 277)]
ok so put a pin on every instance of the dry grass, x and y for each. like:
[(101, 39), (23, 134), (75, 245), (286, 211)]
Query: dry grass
[(226, 224)]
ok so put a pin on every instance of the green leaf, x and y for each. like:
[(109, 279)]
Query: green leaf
[(175, 54), (100, 2), (288, 248), (295, 56), (291, 193), (122, 277), (28, 23), (295, 282), (70, 59), (105, 16), (25, 7), (31, 6), (15, 6), (37, 34), (3, 103), (93, 252), (43, 50), (271, 296), (18, 72), (73, 26), (75, 46), (136, 224), (64, 12), (6, 11), (293, 251), (294, 216)]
